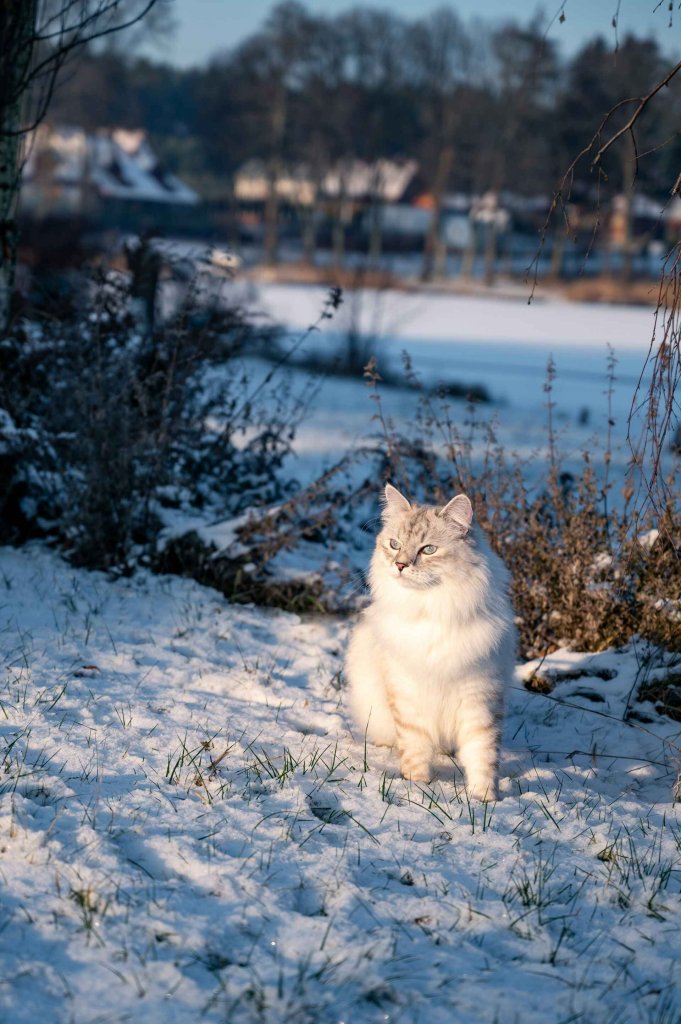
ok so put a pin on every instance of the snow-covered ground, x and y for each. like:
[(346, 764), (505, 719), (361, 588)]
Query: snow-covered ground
[(503, 344), (443, 317), (190, 831)]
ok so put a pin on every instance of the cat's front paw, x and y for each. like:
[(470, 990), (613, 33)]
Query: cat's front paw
[(415, 769), (485, 790)]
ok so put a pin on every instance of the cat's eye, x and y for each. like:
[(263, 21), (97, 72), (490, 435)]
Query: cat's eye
[(429, 549), (394, 544)]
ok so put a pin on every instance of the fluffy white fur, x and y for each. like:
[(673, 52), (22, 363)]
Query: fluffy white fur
[(429, 661)]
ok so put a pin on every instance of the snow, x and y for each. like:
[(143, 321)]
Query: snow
[(501, 343), (190, 829), (300, 879), (222, 534), (431, 316)]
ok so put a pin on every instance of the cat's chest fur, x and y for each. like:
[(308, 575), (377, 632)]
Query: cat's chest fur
[(433, 636)]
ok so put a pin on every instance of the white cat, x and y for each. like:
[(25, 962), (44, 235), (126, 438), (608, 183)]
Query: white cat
[(430, 659)]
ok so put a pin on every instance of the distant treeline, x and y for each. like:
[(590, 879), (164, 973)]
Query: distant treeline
[(369, 84), (479, 106)]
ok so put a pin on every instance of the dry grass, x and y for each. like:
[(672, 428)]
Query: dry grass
[(605, 288), (601, 288), (346, 278), (586, 570)]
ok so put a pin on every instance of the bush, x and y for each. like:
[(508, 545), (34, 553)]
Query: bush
[(103, 428), (108, 435), (588, 569)]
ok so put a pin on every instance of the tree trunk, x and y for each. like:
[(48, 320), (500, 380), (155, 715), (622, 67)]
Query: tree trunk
[(375, 247), (557, 254), (338, 233), (440, 257), (17, 33), (233, 218), (376, 233), (468, 258), (628, 184), (272, 215), (490, 251), (339, 239), (274, 171), (433, 240), (310, 220)]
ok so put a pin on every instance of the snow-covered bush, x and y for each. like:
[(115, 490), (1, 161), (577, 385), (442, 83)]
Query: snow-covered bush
[(124, 448), (589, 569), (102, 427)]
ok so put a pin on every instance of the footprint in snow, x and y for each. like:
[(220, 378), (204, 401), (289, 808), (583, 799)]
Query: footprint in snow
[(327, 808), (307, 728)]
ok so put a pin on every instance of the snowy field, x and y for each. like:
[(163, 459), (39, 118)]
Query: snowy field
[(503, 344), (190, 832)]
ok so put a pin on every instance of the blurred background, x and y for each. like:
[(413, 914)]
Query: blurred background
[(415, 139)]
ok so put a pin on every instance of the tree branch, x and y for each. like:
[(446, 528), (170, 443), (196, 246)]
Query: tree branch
[(645, 100)]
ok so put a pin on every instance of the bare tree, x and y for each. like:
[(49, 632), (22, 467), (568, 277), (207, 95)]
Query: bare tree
[(526, 71), (272, 64), (37, 38), (654, 403), (441, 55)]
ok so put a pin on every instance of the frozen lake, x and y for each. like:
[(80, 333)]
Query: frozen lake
[(502, 344)]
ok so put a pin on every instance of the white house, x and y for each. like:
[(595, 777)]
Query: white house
[(68, 171)]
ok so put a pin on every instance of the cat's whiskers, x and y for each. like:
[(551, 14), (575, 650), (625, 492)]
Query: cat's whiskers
[(371, 523), (357, 583)]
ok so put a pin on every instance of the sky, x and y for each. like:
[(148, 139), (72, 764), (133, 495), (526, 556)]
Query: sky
[(206, 27)]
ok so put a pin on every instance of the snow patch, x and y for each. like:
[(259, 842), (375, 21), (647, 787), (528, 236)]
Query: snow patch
[(189, 829)]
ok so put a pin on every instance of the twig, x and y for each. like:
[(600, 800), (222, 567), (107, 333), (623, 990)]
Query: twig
[(645, 100), (333, 301), (602, 714)]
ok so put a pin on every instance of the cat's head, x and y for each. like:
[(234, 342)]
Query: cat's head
[(421, 546)]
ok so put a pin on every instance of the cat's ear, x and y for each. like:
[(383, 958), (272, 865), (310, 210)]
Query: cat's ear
[(394, 501), (459, 511)]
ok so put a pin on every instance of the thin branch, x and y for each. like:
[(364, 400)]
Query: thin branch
[(635, 116), (65, 47), (81, 33), (562, 193)]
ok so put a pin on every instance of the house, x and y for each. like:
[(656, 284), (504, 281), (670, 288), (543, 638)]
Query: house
[(252, 185), (348, 180), (110, 175), (384, 181)]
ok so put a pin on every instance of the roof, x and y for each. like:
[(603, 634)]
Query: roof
[(118, 163), (385, 179), (353, 179)]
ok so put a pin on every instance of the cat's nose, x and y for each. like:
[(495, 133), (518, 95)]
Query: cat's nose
[(401, 565)]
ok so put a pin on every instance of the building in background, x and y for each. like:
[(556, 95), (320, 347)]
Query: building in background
[(107, 178)]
